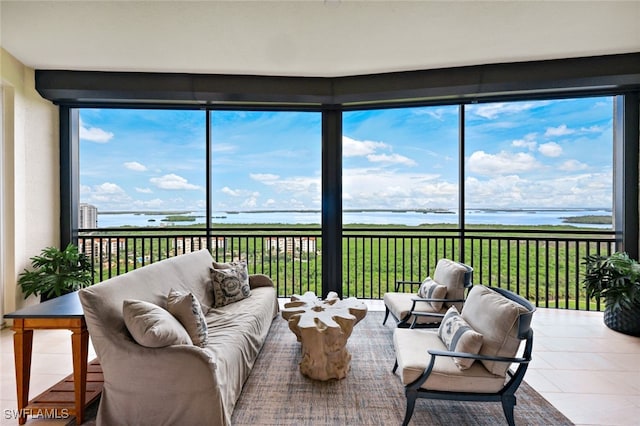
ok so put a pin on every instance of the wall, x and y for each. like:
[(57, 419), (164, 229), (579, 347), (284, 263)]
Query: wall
[(30, 181)]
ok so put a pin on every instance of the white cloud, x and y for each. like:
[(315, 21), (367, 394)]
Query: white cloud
[(173, 182), (109, 188), (529, 142), (572, 166), (94, 134), (502, 163), (144, 190), (229, 191), (266, 178), (156, 203), (561, 130), (223, 148), (379, 188), (135, 166), (355, 148), (512, 191), (592, 129), (491, 111), (391, 159), (550, 149), (106, 196)]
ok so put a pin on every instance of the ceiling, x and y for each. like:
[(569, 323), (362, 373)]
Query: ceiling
[(309, 37)]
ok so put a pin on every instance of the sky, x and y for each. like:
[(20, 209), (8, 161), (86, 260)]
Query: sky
[(529, 154)]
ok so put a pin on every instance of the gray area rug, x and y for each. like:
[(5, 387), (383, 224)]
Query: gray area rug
[(277, 394)]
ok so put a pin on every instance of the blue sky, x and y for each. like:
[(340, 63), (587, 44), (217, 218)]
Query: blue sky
[(531, 154)]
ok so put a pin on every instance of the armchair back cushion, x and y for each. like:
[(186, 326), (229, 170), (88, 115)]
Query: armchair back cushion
[(451, 275), (496, 318)]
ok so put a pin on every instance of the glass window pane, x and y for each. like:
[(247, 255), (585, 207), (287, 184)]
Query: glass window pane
[(266, 167), (540, 162), (146, 165), (400, 166)]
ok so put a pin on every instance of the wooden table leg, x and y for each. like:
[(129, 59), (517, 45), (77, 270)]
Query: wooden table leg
[(80, 348), (22, 348)]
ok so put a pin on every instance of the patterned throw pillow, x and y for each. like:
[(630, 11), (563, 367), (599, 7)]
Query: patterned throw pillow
[(186, 308), (152, 326), (429, 289), (458, 336), (230, 284)]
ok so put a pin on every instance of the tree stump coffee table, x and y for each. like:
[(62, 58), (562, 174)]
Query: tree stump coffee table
[(323, 328)]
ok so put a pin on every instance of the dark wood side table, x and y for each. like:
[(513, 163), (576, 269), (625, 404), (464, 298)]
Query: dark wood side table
[(64, 312)]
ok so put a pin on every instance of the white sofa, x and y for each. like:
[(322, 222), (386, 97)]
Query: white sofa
[(182, 383)]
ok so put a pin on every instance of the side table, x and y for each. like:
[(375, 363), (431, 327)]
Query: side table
[(323, 328), (64, 312)]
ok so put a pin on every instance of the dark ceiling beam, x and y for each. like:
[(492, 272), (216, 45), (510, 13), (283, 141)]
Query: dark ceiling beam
[(598, 74)]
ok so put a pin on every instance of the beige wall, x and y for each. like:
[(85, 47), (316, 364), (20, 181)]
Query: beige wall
[(30, 192)]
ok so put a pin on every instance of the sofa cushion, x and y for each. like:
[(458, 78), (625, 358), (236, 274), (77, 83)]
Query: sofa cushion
[(429, 289), (458, 336), (152, 326), (496, 318), (230, 284), (186, 308)]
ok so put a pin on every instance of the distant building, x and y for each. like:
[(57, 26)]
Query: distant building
[(292, 244), (88, 216)]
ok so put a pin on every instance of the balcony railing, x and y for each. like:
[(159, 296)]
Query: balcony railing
[(543, 266)]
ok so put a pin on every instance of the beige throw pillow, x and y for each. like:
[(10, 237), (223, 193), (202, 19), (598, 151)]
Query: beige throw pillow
[(429, 289), (230, 284), (186, 308), (458, 336), (152, 326)]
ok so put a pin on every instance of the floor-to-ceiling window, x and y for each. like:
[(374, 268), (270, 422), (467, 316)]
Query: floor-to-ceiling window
[(417, 182)]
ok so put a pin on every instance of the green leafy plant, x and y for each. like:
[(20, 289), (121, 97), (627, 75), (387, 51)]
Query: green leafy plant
[(56, 272), (616, 278)]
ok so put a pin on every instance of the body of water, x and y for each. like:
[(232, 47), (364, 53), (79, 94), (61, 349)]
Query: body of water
[(409, 218)]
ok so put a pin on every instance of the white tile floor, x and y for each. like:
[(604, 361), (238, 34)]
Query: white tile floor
[(590, 373)]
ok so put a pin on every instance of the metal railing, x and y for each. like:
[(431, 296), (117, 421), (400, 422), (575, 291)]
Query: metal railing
[(543, 266)]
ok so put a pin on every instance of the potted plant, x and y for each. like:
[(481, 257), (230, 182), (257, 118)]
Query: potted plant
[(56, 272), (616, 278)]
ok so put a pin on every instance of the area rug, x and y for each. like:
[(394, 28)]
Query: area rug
[(277, 394)]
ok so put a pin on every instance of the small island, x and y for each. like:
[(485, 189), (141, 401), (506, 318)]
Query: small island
[(589, 219), (179, 218)]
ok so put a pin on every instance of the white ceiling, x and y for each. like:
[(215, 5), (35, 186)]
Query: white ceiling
[(309, 37)]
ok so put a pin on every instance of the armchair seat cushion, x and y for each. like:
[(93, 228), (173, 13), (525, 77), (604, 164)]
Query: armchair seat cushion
[(410, 346), (400, 304)]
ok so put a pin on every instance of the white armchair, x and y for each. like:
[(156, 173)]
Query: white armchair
[(427, 306), (468, 358)]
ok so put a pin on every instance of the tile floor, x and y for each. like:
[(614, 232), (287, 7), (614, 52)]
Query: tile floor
[(590, 373)]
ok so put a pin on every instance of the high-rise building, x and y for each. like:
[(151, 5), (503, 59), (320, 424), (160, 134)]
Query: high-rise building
[(88, 218)]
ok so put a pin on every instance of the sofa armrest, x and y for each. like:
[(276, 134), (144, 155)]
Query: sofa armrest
[(260, 280), (136, 368)]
